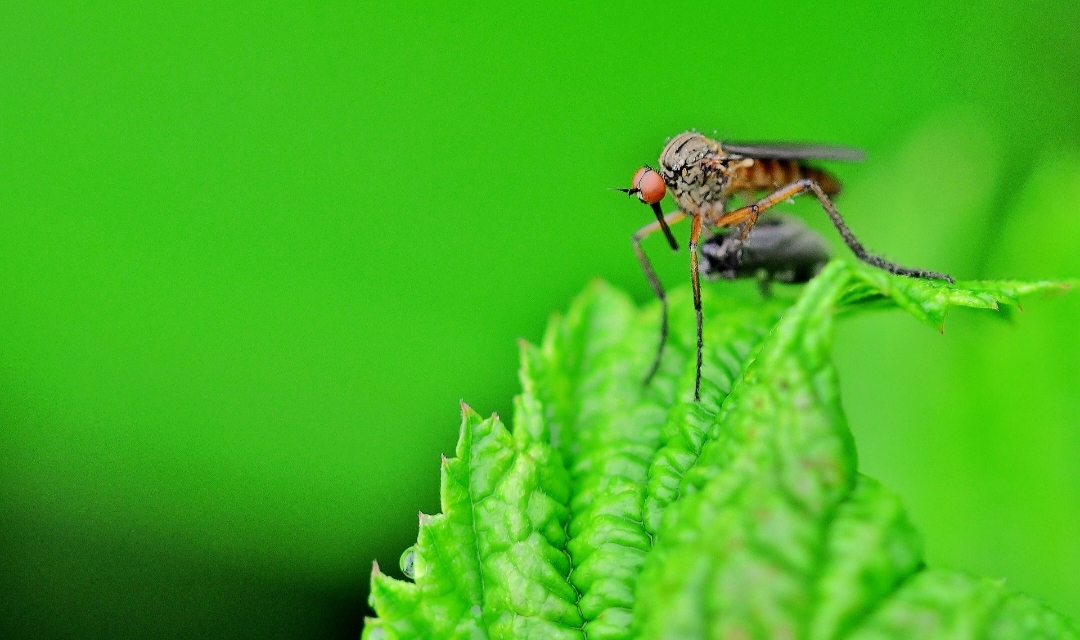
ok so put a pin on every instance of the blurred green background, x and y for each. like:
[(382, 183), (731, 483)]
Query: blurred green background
[(252, 256)]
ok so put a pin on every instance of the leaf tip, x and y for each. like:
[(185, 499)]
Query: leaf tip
[(423, 517), (372, 630), (596, 284), (375, 571)]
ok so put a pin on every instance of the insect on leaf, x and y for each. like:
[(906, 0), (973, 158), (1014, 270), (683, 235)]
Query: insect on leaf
[(615, 510)]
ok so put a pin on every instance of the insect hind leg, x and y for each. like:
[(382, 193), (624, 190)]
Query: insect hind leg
[(857, 247), (751, 212)]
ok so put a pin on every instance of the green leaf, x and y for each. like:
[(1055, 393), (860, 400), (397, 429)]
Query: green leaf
[(946, 604), (929, 300), (619, 510), (493, 563)]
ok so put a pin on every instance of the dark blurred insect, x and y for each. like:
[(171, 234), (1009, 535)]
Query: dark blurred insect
[(778, 249), (704, 174)]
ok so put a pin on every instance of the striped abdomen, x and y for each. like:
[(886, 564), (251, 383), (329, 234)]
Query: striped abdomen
[(770, 174)]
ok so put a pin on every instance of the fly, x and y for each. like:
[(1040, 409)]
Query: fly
[(779, 249), (704, 174)]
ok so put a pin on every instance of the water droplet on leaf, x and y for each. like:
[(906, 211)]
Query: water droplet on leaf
[(408, 563)]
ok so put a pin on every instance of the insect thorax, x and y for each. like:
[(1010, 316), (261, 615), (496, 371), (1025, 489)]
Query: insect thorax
[(693, 168)]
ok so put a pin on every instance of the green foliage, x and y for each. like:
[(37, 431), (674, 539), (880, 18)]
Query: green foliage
[(617, 510)]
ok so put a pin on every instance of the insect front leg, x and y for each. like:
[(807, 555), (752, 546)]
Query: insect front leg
[(750, 213), (654, 281)]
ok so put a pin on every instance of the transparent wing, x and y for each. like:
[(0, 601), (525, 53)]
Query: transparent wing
[(793, 151)]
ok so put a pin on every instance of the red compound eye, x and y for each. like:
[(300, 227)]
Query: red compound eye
[(649, 185)]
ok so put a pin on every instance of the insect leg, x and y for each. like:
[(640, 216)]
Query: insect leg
[(860, 251), (743, 220), (764, 283), (751, 212), (695, 233), (646, 266)]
